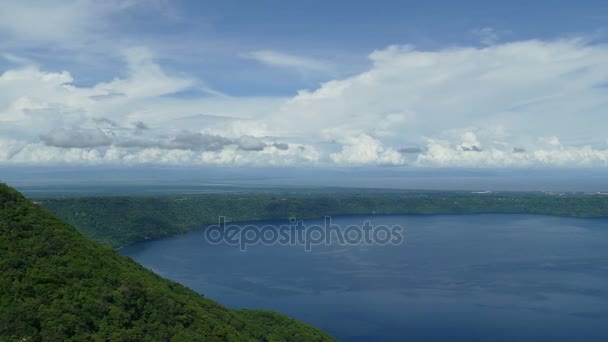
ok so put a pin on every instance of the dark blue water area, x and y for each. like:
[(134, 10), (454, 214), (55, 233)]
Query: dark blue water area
[(489, 277)]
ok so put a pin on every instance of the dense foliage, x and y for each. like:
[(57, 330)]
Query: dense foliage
[(56, 285), (116, 221)]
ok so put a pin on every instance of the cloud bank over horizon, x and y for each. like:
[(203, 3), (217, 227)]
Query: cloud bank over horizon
[(499, 104)]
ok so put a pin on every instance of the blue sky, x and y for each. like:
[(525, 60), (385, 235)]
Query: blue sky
[(207, 37), (316, 83)]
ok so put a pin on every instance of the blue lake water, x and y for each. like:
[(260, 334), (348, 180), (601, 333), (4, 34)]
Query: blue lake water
[(489, 277)]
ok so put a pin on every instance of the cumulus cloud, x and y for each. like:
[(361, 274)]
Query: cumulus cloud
[(193, 141), (516, 104), (472, 148), (182, 141), (76, 138), (440, 153), (281, 146), (364, 149), (39, 153), (529, 87), (249, 143), (469, 143), (201, 141)]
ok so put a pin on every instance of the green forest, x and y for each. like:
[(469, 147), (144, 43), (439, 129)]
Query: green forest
[(56, 285), (116, 221)]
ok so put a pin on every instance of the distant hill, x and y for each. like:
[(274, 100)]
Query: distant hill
[(56, 285)]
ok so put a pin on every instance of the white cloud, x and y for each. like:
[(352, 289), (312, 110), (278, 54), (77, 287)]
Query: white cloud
[(363, 149), (44, 21), (145, 78), (287, 61), (443, 154), (78, 138), (66, 23), (514, 92), (463, 106), (40, 154)]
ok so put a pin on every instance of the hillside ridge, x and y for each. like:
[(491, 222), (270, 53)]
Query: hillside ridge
[(56, 285)]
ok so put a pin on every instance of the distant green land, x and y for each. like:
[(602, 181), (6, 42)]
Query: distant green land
[(116, 221), (56, 285)]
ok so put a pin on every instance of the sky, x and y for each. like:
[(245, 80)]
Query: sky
[(315, 84)]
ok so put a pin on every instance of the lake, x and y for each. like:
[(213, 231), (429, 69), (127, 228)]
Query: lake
[(486, 277)]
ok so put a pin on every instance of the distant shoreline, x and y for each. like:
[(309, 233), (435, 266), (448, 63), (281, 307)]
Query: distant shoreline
[(122, 220)]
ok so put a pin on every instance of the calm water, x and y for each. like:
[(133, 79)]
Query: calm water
[(488, 277)]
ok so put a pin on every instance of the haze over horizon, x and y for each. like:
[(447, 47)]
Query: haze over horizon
[(316, 85)]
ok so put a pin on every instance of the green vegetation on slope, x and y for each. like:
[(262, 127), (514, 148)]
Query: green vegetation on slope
[(116, 221), (56, 285)]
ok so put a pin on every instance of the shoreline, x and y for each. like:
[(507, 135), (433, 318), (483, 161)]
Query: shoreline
[(240, 222)]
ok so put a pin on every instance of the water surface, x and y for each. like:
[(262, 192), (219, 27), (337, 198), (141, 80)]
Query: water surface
[(488, 277)]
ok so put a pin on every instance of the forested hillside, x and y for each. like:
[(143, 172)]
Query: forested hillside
[(115, 221), (56, 285)]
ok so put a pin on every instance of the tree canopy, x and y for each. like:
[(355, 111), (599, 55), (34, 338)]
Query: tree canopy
[(56, 285)]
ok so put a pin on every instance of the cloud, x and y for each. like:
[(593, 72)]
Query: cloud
[(412, 150), (202, 141), (486, 35), (525, 89), (53, 22), (11, 58), (550, 141), (469, 143), (146, 79), (106, 122), (193, 141), (182, 141), (107, 96), (287, 61), (140, 127), (280, 146), (441, 155), (249, 143), (69, 24), (519, 150), (138, 143), (473, 148), (524, 86), (463, 107), (364, 149), (76, 138), (41, 154), (9, 148)]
